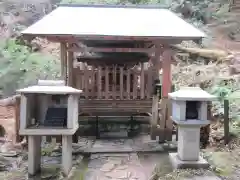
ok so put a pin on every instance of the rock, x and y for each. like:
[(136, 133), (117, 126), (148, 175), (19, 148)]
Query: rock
[(48, 177), (118, 174), (3, 159), (116, 161), (57, 149), (3, 167), (94, 156), (71, 173), (107, 167), (79, 159), (124, 167), (9, 154), (4, 163), (56, 154), (6, 147), (217, 135)]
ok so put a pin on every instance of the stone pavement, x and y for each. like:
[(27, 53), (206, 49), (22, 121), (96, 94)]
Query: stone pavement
[(126, 159), (125, 166)]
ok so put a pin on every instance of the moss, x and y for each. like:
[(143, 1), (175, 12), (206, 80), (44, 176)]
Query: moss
[(50, 171), (12, 175), (47, 150), (221, 162)]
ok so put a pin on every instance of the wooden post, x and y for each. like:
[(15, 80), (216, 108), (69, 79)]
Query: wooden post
[(166, 88), (63, 57), (17, 119), (70, 67), (226, 121), (166, 72), (156, 66)]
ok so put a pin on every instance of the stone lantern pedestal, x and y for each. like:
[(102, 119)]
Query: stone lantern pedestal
[(189, 112)]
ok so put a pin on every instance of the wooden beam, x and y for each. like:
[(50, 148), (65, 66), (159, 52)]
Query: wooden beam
[(108, 49)]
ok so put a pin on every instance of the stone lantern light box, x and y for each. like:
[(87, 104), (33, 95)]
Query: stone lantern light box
[(49, 109), (190, 103), (189, 112)]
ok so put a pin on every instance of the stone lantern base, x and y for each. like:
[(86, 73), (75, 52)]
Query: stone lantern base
[(189, 145), (177, 163)]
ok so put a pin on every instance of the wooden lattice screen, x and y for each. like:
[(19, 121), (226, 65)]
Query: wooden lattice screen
[(114, 81)]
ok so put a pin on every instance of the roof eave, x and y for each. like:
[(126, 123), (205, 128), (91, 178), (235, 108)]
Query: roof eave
[(115, 6), (66, 37)]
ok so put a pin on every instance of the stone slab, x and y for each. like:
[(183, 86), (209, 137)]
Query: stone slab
[(179, 164), (142, 144)]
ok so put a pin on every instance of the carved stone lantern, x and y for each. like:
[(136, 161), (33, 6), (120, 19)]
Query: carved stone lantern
[(189, 112), (47, 109)]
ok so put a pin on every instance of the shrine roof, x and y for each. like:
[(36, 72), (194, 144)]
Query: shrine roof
[(89, 21)]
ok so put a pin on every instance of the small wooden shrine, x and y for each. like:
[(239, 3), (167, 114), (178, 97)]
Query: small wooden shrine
[(114, 55)]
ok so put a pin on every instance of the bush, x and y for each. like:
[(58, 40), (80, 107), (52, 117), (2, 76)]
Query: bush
[(21, 67)]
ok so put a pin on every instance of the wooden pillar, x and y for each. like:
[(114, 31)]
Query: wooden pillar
[(70, 67), (156, 67), (63, 58), (156, 60), (166, 88), (166, 72)]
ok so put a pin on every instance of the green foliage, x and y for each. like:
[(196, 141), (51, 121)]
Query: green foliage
[(228, 90), (221, 92), (21, 67)]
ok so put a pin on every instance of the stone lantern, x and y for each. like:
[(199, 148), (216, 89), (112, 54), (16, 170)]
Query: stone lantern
[(47, 109), (189, 112)]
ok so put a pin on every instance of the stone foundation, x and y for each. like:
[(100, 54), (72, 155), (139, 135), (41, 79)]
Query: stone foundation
[(177, 163)]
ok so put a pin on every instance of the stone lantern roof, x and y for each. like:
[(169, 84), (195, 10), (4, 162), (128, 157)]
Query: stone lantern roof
[(50, 90), (191, 94)]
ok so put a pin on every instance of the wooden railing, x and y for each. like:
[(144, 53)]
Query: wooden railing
[(114, 82)]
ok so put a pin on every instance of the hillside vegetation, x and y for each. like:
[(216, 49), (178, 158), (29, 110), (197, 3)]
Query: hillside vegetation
[(214, 63)]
